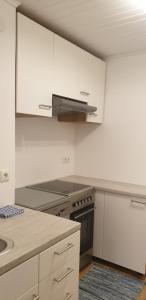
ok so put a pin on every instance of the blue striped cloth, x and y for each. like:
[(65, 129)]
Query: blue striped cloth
[(10, 211)]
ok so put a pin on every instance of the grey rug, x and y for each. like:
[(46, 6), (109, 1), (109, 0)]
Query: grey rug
[(103, 283)]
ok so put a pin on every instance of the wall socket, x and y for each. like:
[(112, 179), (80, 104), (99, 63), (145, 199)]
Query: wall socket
[(66, 160), (4, 175)]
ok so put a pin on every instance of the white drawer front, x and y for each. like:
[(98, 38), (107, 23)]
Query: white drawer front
[(61, 285), (58, 255), (16, 282), (32, 294)]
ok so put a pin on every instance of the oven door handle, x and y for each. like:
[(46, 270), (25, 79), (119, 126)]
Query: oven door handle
[(83, 214)]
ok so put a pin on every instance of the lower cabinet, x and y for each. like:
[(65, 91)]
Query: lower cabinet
[(21, 283), (59, 270), (61, 285), (60, 254), (32, 294), (125, 231), (120, 230), (98, 224), (51, 275)]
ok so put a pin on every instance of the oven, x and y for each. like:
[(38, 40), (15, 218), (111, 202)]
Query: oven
[(85, 216), (67, 200)]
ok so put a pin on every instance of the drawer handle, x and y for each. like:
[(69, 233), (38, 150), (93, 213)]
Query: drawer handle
[(138, 202), (68, 296), (63, 276), (93, 114), (69, 246), (43, 106), (84, 93), (36, 297)]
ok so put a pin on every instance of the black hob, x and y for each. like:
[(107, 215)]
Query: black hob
[(59, 186)]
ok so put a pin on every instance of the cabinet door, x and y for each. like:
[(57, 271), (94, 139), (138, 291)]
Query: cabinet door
[(19, 280), (70, 70), (59, 254), (34, 68), (96, 69), (98, 224), (63, 284), (32, 294), (125, 231)]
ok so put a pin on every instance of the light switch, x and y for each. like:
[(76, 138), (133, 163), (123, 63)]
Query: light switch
[(4, 175)]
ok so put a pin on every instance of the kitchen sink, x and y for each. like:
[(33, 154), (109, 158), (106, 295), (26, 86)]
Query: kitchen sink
[(5, 245)]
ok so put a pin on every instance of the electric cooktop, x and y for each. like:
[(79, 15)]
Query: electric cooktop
[(59, 187), (37, 199)]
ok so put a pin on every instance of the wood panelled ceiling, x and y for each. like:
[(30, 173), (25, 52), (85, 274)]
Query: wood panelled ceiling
[(103, 27)]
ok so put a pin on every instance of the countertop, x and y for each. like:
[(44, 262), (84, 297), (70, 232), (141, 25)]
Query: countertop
[(32, 233), (110, 186)]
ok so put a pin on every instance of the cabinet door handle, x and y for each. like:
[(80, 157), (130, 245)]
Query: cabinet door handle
[(84, 93), (69, 246), (44, 106), (35, 297), (63, 276), (93, 114), (68, 296), (138, 202)]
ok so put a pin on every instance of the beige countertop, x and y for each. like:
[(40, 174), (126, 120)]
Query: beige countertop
[(110, 186), (32, 232)]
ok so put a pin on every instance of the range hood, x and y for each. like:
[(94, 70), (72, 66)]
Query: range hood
[(67, 109)]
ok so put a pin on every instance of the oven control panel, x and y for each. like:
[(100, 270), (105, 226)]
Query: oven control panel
[(82, 202)]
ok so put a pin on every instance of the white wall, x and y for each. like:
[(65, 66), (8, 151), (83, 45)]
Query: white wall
[(116, 150), (41, 143), (7, 99)]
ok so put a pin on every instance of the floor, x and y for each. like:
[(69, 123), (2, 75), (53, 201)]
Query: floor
[(142, 296)]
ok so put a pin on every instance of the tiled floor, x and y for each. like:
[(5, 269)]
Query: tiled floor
[(142, 296)]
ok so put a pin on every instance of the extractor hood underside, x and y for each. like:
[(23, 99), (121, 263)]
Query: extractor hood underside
[(67, 109)]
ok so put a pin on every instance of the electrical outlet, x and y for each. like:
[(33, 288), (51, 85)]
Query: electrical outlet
[(4, 175), (65, 159)]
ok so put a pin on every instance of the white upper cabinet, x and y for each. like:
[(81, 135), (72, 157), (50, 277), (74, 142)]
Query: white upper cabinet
[(71, 74), (79, 75), (96, 81), (48, 64), (34, 68)]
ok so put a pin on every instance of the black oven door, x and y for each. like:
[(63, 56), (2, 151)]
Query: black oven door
[(85, 216)]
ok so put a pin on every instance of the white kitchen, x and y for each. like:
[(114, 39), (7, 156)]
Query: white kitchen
[(73, 150)]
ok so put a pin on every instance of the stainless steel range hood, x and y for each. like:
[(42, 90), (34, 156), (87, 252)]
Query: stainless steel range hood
[(70, 108)]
